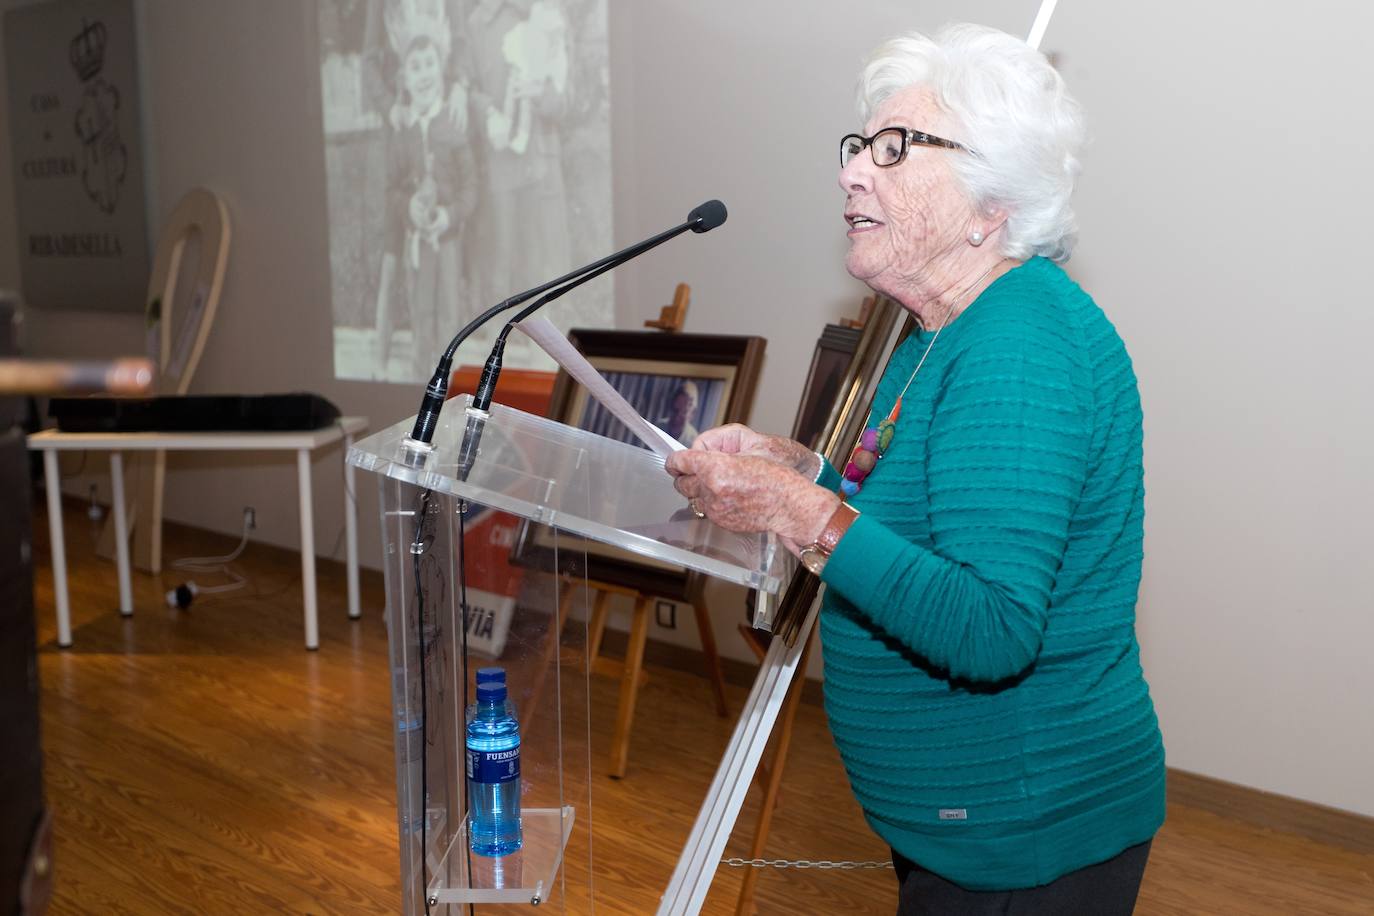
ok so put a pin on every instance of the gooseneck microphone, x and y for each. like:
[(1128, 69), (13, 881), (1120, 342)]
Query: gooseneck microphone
[(491, 371), (703, 218)]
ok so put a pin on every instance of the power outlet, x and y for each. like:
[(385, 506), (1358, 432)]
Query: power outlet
[(665, 614), (250, 517)]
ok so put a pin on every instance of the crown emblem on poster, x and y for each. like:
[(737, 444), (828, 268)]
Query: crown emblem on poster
[(87, 50)]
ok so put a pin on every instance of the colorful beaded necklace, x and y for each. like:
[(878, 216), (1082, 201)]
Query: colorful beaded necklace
[(875, 440)]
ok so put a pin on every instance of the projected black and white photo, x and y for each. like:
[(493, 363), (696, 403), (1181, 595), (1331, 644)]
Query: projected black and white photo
[(467, 152)]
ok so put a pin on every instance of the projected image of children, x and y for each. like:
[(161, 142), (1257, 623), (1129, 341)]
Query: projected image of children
[(431, 191), (467, 156)]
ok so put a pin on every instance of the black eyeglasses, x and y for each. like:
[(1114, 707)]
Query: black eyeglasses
[(889, 146)]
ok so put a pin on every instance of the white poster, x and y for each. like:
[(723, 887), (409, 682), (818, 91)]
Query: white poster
[(467, 148), (78, 174)]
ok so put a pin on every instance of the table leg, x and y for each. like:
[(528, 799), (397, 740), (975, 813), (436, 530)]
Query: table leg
[(121, 526), (52, 481), (351, 531), (312, 621)]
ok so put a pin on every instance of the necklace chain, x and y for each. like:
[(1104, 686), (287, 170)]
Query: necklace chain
[(949, 312), (875, 440)]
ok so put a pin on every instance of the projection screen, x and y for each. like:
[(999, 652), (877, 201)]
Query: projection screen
[(467, 153)]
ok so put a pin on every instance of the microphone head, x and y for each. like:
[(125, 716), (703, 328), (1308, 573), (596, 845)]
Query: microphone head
[(707, 216)]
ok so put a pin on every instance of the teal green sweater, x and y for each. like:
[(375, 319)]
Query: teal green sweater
[(982, 676)]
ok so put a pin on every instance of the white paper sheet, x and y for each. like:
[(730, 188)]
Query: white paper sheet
[(552, 342)]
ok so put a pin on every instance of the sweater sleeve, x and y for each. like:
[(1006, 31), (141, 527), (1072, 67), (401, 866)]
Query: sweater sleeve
[(1005, 463), (829, 477)]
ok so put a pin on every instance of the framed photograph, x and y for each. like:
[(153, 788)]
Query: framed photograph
[(683, 384), (820, 395)]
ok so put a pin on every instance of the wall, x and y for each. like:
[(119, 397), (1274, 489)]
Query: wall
[(1222, 208), (1224, 219)]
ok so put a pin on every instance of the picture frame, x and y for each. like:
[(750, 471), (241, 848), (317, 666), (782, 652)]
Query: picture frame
[(824, 380), (887, 325), (682, 383)]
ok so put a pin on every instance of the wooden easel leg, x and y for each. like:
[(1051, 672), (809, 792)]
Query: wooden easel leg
[(565, 603), (788, 715), (708, 650), (553, 640), (629, 687), (596, 627), (758, 643)]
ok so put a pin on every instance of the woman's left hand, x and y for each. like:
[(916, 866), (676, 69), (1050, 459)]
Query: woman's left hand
[(746, 493)]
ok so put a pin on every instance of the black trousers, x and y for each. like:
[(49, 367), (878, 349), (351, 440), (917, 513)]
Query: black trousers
[(1106, 889)]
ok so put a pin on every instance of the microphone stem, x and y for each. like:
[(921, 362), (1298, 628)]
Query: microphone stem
[(700, 219), (593, 269), (486, 386)]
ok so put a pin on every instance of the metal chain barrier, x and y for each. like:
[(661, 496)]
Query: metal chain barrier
[(800, 863)]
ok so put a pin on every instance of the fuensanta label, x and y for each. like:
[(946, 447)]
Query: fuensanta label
[(493, 766)]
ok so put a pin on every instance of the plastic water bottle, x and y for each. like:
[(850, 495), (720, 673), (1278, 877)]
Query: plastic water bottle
[(497, 675), (493, 770)]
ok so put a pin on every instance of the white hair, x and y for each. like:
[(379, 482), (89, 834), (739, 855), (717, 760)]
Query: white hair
[(1012, 108)]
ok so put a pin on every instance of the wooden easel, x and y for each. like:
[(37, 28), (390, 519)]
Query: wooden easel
[(770, 775), (671, 317), (630, 671)]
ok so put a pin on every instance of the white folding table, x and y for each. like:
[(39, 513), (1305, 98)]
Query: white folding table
[(52, 441)]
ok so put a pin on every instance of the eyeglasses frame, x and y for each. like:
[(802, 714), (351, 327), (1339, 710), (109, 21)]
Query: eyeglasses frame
[(909, 137)]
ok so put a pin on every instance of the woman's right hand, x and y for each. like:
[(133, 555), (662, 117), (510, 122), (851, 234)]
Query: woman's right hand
[(738, 439)]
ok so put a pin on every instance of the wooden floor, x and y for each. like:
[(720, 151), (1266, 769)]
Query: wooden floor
[(204, 762)]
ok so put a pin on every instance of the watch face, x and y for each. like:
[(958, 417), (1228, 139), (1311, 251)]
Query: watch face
[(813, 560)]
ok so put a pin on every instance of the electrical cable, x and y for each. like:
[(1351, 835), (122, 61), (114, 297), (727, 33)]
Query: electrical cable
[(463, 603), (212, 565), (416, 550), (419, 545), (80, 468)]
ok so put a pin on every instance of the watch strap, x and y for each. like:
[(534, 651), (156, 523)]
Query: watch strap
[(834, 529)]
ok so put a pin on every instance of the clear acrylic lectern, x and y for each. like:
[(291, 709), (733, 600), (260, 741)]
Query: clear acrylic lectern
[(485, 539)]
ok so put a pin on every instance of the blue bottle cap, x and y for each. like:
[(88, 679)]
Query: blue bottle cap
[(491, 692), (491, 674)]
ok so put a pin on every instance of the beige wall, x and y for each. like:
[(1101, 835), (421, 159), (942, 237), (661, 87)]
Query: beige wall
[(1225, 198)]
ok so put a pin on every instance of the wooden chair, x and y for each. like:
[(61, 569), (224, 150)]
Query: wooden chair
[(200, 212)]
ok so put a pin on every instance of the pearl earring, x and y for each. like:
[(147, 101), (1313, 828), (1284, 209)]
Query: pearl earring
[(975, 238)]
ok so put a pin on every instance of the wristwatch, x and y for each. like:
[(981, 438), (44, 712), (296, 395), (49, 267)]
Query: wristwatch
[(814, 555)]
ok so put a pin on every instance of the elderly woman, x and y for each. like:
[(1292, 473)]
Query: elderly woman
[(981, 551)]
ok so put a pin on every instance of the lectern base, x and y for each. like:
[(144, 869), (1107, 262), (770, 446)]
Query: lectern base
[(525, 876)]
